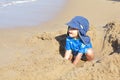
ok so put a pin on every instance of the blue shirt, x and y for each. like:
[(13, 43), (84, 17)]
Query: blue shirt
[(76, 45)]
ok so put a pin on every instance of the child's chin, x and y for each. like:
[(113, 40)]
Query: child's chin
[(71, 36)]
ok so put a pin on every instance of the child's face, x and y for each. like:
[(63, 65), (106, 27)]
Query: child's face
[(73, 32)]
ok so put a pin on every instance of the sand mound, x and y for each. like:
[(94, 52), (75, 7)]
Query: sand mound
[(106, 66), (44, 59)]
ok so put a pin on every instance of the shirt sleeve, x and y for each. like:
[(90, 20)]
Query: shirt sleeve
[(89, 45), (84, 48), (67, 46)]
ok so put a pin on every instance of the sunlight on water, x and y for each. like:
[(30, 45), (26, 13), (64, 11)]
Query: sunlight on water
[(9, 3)]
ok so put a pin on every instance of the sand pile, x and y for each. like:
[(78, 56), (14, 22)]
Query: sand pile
[(43, 58), (106, 65)]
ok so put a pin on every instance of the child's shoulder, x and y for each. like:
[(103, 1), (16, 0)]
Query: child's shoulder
[(69, 38)]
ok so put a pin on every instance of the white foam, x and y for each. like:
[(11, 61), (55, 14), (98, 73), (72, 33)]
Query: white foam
[(9, 3)]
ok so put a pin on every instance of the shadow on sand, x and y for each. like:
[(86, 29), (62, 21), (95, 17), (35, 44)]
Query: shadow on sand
[(115, 0), (115, 43), (61, 40), (116, 46)]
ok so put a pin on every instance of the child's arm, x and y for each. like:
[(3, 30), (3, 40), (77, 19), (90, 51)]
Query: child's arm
[(67, 54)]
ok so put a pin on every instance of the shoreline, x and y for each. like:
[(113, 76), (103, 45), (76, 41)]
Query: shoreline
[(110, 13)]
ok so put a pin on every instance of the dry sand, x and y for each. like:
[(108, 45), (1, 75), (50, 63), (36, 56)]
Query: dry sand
[(37, 53)]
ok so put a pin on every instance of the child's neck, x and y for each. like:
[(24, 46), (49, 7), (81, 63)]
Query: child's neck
[(76, 38)]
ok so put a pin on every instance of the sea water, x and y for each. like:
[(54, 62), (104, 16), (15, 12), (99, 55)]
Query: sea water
[(16, 13)]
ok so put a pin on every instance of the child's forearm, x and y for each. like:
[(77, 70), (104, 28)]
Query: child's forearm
[(67, 54)]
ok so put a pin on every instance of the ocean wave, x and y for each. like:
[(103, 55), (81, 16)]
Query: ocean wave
[(9, 3)]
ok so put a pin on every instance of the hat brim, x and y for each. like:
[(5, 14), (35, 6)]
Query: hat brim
[(71, 25)]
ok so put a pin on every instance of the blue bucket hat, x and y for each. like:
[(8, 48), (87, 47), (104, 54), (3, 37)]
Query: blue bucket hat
[(82, 25)]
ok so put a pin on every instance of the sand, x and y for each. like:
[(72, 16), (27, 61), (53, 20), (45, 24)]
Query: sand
[(36, 53)]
